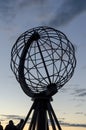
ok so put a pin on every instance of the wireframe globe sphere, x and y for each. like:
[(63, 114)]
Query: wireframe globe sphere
[(43, 60)]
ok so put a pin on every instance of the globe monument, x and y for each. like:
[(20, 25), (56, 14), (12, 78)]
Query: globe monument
[(43, 61)]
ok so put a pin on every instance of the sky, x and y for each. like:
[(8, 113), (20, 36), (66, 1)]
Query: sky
[(68, 16)]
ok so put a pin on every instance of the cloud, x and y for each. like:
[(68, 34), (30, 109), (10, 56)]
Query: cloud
[(82, 94), (68, 11), (73, 125), (63, 123), (9, 9), (13, 117), (79, 92), (18, 117), (81, 113), (63, 14)]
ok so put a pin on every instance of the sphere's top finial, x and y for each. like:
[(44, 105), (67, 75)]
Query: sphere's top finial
[(43, 60)]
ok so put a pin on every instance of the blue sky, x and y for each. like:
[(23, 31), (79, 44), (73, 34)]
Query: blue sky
[(68, 16)]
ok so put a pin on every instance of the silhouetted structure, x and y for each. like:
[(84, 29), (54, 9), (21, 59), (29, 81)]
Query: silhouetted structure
[(1, 127), (43, 60)]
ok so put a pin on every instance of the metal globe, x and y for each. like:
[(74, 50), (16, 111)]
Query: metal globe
[(43, 60)]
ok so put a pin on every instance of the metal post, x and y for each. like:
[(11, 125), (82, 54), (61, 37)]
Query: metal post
[(54, 116)]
